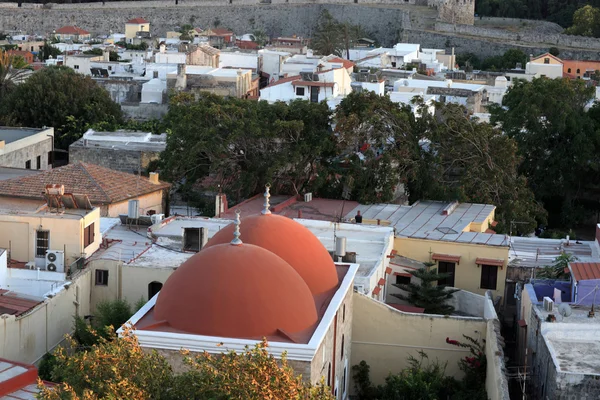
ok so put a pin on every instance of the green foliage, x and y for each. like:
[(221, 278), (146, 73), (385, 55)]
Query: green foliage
[(363, 386), (427, 294), (61, 98), (131, 46), (112, 313), (558, 140), (260, 37), (119, 369), (586, 22), (559, 11), (332, 36), (139, 304), (508, 60), (558, 268), (554, 51), (474, 367), (113, 55), (48, 51), (47, 366), (83, 333)]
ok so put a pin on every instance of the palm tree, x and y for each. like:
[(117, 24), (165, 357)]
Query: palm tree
[(13, 70), (328, 37)]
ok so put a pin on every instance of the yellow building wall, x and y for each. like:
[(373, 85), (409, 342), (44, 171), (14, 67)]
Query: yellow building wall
[(136, 281), (467, 273), (18, 232), (27, 338), (150, 201), (483, 226), (540, 60), (132, 29), (385, 337)]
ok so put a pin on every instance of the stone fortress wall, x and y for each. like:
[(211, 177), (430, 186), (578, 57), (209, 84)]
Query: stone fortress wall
[(388, 21)]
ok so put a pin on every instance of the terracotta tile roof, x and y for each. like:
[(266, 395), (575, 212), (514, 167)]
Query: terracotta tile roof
[(316, 84), (221, 32), (72, 30), (285, 80), (22, 53), (583, 271), (138, 21), (346, 63), (101, 185)]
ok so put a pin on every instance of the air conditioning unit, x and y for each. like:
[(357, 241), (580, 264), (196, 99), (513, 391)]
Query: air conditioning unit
[(548, 304), (55, 260), (156, 218)]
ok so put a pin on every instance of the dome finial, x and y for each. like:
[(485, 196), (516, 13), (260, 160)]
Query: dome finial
[(236, 233), (267, 206)]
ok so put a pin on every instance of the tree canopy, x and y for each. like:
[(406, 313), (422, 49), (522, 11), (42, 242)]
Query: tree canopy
[(558, 140), (61, 98), (586, 22), (118, 368), (334, 37)]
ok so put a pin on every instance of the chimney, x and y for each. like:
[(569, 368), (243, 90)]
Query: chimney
[(163, 48), (106, 56), (155, 74), (220, 204), (154, 178)]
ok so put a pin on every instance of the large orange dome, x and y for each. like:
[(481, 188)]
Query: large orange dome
[(291, 241), (234, 291)]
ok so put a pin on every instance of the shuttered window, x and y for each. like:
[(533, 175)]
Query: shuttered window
[(88, 235), (489, 277)]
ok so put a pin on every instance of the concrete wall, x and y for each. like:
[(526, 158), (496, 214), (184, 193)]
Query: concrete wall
[(122, 91), (144, 112), (467, 273), (384, 337), (28, 337), (150, 201), (130, 161), (18, 232), (16, 154)]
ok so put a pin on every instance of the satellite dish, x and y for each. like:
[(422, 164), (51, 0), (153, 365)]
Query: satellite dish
[(565, 310)]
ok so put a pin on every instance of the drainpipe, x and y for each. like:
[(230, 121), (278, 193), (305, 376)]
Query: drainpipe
[(334, 353)]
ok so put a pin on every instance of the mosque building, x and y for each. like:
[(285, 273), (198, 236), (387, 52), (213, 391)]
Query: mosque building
[(265, 276)]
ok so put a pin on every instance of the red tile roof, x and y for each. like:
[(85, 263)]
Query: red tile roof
[(446, 257), (221, 31), (583, 271), (101, 185), (346, 63), (72, 30), (315, 84), (285, 80), (138, 21)]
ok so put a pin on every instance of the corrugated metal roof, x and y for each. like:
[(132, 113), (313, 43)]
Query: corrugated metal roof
[(583, 271)]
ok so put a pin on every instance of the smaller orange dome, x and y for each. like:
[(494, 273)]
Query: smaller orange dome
[(241, 291), (291, 241)]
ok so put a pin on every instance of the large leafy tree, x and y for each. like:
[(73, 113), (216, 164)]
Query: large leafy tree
[(426, 293), (61, 98), (13, 69), (119, 369), (586, 22), (557, 139), (254, 141), (334, 37)]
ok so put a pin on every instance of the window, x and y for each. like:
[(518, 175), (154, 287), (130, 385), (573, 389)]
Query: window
[(88, 235), (344, 313), (402, 280), (578, 70), (101, 277), (49, 158), (75, 66), (569, 70), (446, 268), (329, 375), (342, 349), (42, 243), (546, 61), (28, 164), (38, 162), (489, 277), (300, 91)]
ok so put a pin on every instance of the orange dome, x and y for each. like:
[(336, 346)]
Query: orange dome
[(291, 241), (236, 291)]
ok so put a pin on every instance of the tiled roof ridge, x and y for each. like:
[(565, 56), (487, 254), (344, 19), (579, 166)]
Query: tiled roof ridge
[(83, 167)]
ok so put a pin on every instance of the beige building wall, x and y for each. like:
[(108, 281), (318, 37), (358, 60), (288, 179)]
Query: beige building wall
[(136, 281), (150, 201), (385, 337), (27, 338), (110, 291), (132, 29), (467, 273), (18, 232)]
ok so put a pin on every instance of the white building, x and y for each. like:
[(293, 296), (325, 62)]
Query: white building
[(271, 63), (239, 60), (538, 69), (152, 91)]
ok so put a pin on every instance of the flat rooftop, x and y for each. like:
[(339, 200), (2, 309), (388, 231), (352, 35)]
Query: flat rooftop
[(9, 135), (427, 220), (9, 173), (536, 252), (69, 213), (123, 140)]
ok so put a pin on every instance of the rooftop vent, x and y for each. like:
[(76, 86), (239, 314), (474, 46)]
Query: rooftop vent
[(548, 304), (194, 239), (449, 209)]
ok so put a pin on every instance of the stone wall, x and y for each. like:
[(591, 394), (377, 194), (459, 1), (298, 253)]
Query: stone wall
[(457, 11), (485, 47), (555, 39), (241, 16), (129, 161), (144, 111)]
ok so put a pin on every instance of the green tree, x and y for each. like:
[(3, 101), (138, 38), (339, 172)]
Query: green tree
[(328, 37), (13, 70), (61, 98), (586, 22), (260, 37), (554, 51), (558, 268), (557, 139), (427, 293), (119, 369), (112, 313), (47, 51)]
